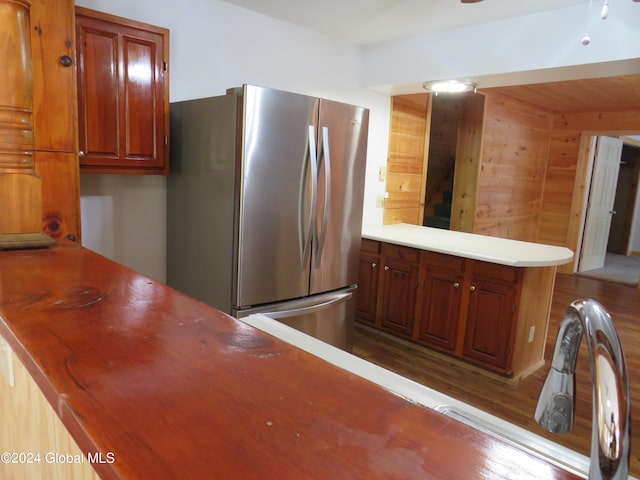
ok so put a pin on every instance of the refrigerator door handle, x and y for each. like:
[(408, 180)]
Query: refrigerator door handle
[(325, 157), (311, 308), (305, 230)]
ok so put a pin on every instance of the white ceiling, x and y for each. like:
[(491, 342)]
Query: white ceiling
[(370, 21)]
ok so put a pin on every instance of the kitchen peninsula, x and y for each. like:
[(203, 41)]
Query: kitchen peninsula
[(484, 300), (150, 383)]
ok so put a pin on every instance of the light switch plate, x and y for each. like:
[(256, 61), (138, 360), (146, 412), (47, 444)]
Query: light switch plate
[(6, 362)]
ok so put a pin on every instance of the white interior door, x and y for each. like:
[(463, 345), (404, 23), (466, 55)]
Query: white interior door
[(600, 206)]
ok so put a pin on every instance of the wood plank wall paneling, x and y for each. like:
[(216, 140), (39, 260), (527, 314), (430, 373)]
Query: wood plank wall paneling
[(512, 173), (405, 163), (567, 172), (529, 182)]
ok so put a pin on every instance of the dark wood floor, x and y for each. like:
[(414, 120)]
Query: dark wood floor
[(517, 403)]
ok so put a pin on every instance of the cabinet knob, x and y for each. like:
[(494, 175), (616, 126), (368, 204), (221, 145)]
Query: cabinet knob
[(81, 153), (386, 267), (66, 61), (374, 265), (456, 285), (473, 288)]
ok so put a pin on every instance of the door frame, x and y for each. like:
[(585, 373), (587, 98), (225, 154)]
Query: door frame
[(594, 207)]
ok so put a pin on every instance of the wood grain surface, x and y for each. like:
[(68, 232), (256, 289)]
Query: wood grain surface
[(517, 403), (176, 389)]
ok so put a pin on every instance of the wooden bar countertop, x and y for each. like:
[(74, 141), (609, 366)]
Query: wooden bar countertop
[(176, 389)]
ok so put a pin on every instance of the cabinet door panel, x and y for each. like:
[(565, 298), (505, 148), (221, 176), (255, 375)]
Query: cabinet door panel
[(399, 297), (141, 99), (98, 93), (366, 294), (440, 310), (60, 194), (490, 323)]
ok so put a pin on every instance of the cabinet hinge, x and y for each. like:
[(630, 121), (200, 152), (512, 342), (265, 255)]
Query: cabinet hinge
[(164, 65), (166, 140), (513, 309)]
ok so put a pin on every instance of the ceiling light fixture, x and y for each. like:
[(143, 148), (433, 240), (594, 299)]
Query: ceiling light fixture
[(449, 86), (586, 39)]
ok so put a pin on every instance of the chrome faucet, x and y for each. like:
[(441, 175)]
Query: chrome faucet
[(610, 442)]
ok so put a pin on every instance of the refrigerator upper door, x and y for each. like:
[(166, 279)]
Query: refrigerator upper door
[(277, 194), (342, 146)]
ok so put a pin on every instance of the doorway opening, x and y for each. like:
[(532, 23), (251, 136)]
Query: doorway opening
[(610, 247), (443, 138)]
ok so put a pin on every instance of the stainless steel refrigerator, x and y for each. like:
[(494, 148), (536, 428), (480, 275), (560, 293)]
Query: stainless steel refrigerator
[(265, 206)]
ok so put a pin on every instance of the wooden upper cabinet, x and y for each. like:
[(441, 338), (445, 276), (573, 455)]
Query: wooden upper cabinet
[(123, 94)]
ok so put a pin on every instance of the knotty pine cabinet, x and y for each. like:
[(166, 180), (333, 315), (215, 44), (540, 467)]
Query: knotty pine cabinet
[(123, 94), (462, 307), (53, 45)]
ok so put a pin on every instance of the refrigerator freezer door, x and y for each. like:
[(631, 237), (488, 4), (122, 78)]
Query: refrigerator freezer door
[(275, 211), (328, 317), (342, 145)]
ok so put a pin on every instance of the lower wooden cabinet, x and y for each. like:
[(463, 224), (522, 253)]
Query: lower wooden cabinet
[(367, 293), (439, 309), (459, 306), (399, 281), (488, 334)]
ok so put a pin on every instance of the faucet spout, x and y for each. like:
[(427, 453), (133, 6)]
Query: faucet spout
[(610, 441)]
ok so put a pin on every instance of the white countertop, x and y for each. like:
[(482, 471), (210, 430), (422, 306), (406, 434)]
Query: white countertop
[(468, 245)]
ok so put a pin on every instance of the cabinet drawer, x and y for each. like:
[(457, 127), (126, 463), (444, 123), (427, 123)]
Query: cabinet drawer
[(406, 254), (494, 271), (370, 246), (442, 261)]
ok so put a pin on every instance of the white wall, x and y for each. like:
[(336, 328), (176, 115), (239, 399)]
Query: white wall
[(123, 217), (214, 46)]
